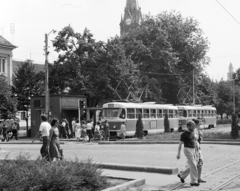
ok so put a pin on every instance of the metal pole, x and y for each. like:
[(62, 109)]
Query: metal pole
[(193, 89), (46, 77), (233, 96)]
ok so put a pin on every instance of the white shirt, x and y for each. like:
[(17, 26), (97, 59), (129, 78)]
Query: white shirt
[(45, 128), (73, 125)]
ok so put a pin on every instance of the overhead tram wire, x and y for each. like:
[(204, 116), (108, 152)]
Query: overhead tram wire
[(228, 12)]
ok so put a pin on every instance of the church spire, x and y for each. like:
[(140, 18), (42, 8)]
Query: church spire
[(132, 16)]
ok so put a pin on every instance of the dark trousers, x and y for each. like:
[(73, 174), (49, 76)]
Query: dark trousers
[(14, 133), (44, 149), (89, 133)]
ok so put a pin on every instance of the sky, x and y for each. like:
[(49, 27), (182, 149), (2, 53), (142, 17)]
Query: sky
[(32, 19)]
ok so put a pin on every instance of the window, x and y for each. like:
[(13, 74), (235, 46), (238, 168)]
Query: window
[(190, 113), (194, 113), (159, 113), (145, 113), (131, 113), (22, 115), (37, 103), (198, 113), (110, 112), (153, 113), (138, 111), (175, 113), (165, 111), (2, 64), (122, 113), (170, 113), (209, 113), (202, 114)]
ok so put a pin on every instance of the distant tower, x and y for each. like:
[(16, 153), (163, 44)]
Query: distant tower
[(230, 72), (132, 16)]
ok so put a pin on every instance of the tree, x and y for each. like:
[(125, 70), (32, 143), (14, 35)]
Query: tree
[(139, 128), (166, 49), (27, 83), (166, 124), (7, 103)]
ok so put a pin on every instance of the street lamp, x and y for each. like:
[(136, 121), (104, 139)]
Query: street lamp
[(47, 102)]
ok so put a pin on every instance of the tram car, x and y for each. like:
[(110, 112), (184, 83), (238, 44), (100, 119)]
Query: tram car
[(152, 117), (205, 114)]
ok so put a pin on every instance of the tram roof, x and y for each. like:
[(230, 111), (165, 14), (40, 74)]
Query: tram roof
[(203, 107), (138, 105)]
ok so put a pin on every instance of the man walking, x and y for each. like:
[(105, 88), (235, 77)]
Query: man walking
[(44, 133), (188, 139)]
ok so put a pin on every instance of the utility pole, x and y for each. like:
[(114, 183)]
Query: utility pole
[(193, 89), (233, 84), (46, 77)]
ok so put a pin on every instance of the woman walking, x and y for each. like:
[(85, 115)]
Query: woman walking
[(77, 130), (54, 143)]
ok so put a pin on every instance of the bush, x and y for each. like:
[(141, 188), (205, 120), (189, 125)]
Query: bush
[(23, 174), (223, 121), (139, 127), (176, 135), (166, 124)]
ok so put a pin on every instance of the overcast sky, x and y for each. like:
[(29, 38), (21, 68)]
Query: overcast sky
[(33, 18)]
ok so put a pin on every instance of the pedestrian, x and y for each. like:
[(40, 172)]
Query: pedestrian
[(97, 132), (77, 130), (199, 159), (84, 131), (67, 127), (123, 130), (53, 142), (89, 130), (188, 140), (14, 130), (4, 131), (73, 127), (44, 133), (106, 130)]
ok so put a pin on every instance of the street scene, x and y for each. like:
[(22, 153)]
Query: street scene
[(117, 95)]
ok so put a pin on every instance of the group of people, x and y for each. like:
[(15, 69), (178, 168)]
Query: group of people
[(50, 136), (191, 139), (9, 132)]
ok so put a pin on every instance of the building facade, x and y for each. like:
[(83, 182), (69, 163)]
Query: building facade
[(6, 49), (132, 16)]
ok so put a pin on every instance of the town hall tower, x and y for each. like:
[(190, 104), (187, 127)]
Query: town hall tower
[(132, 16)]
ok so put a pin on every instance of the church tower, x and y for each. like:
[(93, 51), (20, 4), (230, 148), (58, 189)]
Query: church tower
[(230, 72), (132, 16)]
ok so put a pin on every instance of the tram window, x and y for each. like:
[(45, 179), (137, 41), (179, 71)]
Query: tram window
[(170, 113), (198, 113), (153, 113), (194, 113), (202, 114), (190, 113), (138, 111), (109, 113), (159, 113), (122, 113), (184, 113), (145, 113), (206, 113), (165, 112), (175, 113), (130, 113), (209, 113)]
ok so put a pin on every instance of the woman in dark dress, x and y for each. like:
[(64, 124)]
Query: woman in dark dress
[(54, 144)]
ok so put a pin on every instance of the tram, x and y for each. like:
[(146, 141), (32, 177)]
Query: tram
[(152, 116), (206, 114)]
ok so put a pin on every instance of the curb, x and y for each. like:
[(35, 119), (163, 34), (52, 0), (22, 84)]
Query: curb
[(127, 185), (164, 142), (138, 168), (23, 142)]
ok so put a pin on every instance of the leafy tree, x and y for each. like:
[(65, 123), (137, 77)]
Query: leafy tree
[(139, 128), (166, 124), (27, 83), (7, 103), (166, 49)]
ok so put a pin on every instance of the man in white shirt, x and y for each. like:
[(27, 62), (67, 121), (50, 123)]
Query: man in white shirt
[(44, 133)]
